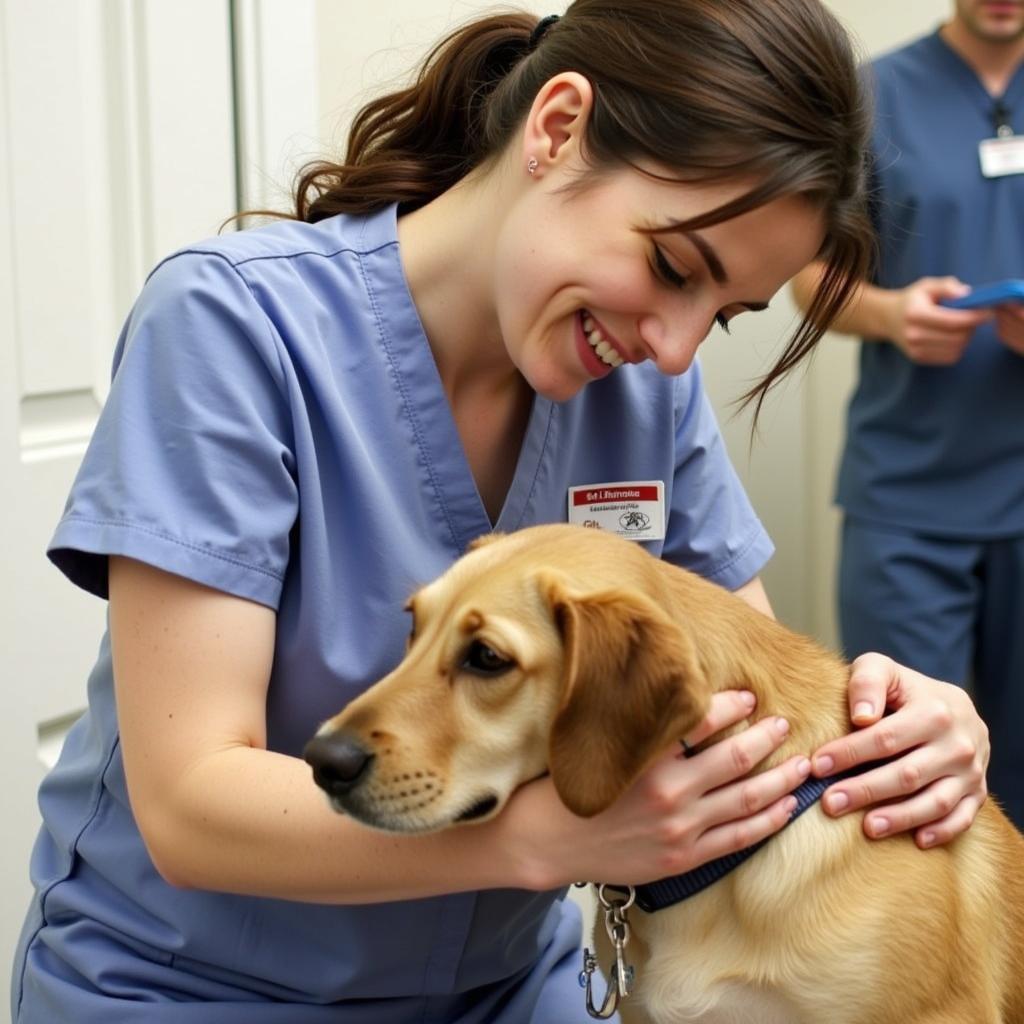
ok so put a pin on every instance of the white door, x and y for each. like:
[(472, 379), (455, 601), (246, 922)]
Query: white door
[(116, 146)]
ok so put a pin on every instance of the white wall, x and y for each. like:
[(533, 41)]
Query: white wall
[(789, 468)]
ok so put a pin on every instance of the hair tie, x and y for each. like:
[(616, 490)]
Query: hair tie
[(542, 26)]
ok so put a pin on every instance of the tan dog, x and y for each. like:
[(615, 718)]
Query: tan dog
[(571, 651)]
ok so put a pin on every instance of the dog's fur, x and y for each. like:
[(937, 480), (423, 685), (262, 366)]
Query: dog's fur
[(614, 655)]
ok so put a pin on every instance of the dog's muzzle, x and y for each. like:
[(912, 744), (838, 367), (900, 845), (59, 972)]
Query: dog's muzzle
[(339, 762)]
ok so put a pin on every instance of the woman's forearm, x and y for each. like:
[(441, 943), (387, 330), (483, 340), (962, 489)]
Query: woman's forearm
[(250, 821)]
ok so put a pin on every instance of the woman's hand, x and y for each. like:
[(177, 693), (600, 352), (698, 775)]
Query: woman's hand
[(945, 751), (680, 813)]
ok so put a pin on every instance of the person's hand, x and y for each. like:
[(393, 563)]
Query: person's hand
[(945, 749), (1010, 326), (680, 813), (928, 333)]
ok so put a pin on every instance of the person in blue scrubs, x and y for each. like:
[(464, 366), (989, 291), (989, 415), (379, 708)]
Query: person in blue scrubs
[(497, 298), (932, 476)]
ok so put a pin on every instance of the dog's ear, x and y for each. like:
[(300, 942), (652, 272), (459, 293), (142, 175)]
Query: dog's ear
[(632, 684)]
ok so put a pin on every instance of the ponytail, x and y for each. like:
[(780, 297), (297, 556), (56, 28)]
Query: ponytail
[(410, 146)]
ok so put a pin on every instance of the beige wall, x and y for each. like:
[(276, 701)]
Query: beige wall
[(789, 468)]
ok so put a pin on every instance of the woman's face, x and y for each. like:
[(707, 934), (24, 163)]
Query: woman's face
[(582, 287)]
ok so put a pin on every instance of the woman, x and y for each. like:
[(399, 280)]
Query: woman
[(309, 419)]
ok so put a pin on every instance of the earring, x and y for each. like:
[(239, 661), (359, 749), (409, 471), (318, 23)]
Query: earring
[(532, 164)]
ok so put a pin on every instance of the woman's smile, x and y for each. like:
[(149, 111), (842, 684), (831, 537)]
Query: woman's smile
[(598, 351)]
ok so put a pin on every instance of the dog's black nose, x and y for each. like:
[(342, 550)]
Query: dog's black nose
[(338, 761)]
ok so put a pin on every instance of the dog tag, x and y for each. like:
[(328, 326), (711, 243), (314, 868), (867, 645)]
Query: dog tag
[(632, 509)]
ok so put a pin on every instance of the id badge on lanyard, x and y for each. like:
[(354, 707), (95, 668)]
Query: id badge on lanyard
[(1004, 154), (1001, 156)]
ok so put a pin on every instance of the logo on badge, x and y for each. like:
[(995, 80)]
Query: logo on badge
[(634, 521)]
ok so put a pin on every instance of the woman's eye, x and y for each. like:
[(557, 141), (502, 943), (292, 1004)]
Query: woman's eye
[(485, 660), (666, 271)]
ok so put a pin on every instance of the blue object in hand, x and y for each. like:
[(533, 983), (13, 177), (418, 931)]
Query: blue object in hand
[(999, 293)]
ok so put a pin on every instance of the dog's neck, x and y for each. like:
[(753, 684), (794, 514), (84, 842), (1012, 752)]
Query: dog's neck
[(789, 674)]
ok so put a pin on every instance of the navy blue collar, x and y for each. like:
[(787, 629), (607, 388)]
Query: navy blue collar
[(668, 891)]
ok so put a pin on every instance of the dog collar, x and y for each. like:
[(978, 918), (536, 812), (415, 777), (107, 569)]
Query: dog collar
[(666, 892)]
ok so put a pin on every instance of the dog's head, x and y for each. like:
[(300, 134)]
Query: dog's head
[(513, 669)]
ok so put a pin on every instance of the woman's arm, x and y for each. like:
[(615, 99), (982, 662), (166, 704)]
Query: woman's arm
[(217, 810), (756, 596)]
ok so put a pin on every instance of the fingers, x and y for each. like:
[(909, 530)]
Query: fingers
[(937, 833), (931, 334), (943, 776), (732, 758), (738, 835), (900, 778), (871, 675), (751, 796), (884, 739), (909, 727), (938, 813), (727, 708)]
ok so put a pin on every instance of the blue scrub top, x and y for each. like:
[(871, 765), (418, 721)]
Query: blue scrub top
[(277, 429), (937, 449)]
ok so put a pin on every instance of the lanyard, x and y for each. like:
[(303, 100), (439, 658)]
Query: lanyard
[(1001, 119)]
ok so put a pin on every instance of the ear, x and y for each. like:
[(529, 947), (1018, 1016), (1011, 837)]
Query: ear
[(632, 684), (558, 116)]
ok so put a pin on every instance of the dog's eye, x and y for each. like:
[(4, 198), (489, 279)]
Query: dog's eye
[(484, 660)]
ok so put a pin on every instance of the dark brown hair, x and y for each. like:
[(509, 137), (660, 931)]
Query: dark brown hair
[(759, 90)]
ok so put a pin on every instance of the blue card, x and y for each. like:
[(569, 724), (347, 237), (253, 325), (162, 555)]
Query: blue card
[(987, 295)]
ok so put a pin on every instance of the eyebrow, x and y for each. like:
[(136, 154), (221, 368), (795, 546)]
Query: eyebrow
[(703, 246)]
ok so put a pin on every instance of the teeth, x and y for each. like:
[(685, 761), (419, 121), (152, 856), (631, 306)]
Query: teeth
[(596, 340)]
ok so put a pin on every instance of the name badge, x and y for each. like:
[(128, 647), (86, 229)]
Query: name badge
[(1002, 156), (633, 509)]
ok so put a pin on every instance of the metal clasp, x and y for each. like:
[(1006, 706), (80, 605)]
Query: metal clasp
[(620, 973)]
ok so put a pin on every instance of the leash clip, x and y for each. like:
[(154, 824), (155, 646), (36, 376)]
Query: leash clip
[(622, 975)]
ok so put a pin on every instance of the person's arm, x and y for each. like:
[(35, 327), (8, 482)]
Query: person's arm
[(217, 810), (911, 317), (756, 596)]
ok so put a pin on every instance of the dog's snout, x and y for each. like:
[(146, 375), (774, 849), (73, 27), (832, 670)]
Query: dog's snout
[(339, 761)]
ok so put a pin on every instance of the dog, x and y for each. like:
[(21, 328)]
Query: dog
[(571, 651)]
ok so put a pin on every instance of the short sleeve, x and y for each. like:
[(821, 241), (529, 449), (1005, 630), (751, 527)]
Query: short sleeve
[(190, 468), (712, 528)]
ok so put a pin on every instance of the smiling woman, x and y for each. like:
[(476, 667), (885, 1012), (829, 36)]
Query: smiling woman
[(755, 116), (483, 317)]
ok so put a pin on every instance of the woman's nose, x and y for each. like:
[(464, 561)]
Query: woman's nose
[(671, 344)]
